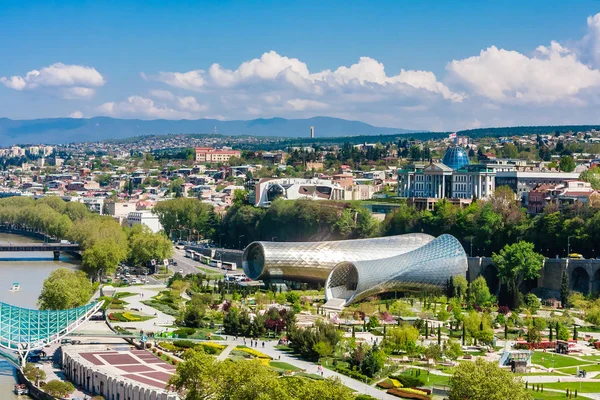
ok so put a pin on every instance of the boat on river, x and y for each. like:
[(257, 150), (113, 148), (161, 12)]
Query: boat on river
[(21, 390), (15, 287)]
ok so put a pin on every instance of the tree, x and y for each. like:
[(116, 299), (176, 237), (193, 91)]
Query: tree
[(58, 388), (460, 286), (323, 349), (453, 350), (515, 263), (144, 245), (33, 373), (564, 290), (402, 338), (566, 164), (532, 302), (64, 289), (484, 380), (373, 361), (592, 176), (479, 292), (433, 352), (562, 332)]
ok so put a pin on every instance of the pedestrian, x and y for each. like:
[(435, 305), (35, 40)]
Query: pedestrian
[(263, 345)]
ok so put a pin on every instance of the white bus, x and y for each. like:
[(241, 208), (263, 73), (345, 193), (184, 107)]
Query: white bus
[(230, 266), (197, 256), (189, 253), (215, 263)]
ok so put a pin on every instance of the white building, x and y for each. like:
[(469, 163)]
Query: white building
[(145, 218)]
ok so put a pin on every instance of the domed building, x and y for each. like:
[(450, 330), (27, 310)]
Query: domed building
[(456, 157)]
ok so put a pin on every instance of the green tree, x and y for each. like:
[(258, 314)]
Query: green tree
[(460, 286), (565, 292), (566, 164), (402, 338), (483, 380), (479, 292), (323, 349), (64, 289), (33, 373), (453, 349), (592, 176), (58, 388), (562, 333), (373, 361), (532, 302), (517, 262), (144, 245)]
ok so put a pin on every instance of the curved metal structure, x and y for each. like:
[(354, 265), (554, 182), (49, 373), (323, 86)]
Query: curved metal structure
[(24, 329), (312, 261), (429, 266)]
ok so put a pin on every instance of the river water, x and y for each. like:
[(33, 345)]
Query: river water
[(29, 269)]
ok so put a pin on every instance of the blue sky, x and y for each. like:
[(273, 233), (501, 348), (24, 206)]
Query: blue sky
[(427, 65)]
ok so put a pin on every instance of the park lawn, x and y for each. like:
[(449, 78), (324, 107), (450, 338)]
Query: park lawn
[(588, 368), (434, 380), (284, 366), (120, 295), (581, 387), (548, 395), (552, 360)]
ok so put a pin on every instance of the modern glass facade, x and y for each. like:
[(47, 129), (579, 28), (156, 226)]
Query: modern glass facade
[(428, 266), (312, 261)]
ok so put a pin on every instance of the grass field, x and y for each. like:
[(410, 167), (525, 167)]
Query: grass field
[(548, 395), (283, 366), (581, 387), (432, 380), (588, 368), (552, 360)]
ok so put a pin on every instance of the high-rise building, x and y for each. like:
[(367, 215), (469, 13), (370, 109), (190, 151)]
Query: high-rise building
[(312, 132)]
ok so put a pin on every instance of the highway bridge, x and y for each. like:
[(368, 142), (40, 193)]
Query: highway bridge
[(56, 248)]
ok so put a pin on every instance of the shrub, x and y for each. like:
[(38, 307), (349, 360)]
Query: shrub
[(184, 331), (351, 373), (184, 344), (408, 381)]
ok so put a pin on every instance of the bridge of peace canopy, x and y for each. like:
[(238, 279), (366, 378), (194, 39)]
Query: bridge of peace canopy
[(23, 330)]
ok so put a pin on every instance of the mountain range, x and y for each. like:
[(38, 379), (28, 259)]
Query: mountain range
[(69, 130)]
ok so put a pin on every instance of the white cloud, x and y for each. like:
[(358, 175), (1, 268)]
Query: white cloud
[(73, 81), (162, 94), (552, 74), (303, 104), (141, 107), (76, 114), (273, 71), (192, 80), (190, 103)]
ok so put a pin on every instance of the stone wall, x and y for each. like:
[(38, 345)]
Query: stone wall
[(584, 275)]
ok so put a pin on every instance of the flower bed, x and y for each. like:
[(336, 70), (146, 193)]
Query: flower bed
[(389, 384), (253, 353), (408, 393)]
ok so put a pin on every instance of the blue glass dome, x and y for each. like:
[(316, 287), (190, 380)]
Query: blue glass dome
[(456, 158)]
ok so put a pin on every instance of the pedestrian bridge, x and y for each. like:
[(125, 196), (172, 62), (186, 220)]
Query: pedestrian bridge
[(23, 329), (56, 248)]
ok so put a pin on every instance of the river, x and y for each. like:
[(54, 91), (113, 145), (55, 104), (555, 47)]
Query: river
[(30, 269)]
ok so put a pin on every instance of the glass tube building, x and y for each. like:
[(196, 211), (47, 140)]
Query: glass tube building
[(312, 262), (426, 267)]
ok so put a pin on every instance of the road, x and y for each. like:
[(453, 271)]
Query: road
[(189, 266)]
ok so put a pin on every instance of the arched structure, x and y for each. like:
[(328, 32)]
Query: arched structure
[(312, 261), (580, 280), (23, 329), (427, 267)]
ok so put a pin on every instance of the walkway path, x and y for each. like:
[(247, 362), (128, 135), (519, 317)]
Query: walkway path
[(225, 353), (145, 292), (311, 368)]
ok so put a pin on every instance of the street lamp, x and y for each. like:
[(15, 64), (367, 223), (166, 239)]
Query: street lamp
[(273, 238), (240, 241), (569, 245)]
